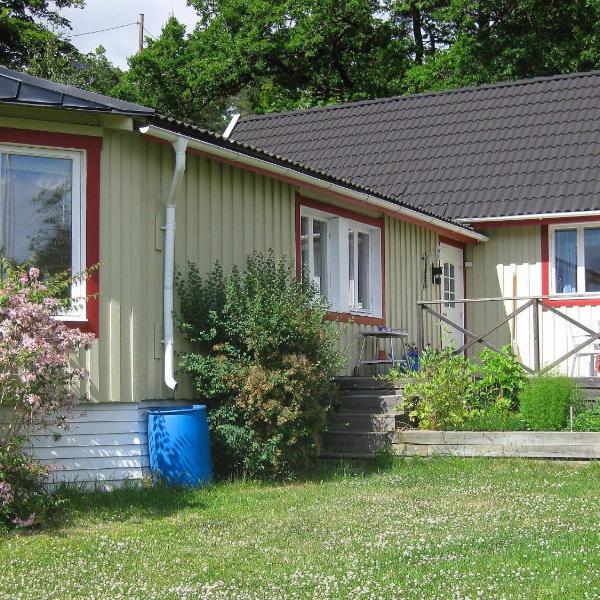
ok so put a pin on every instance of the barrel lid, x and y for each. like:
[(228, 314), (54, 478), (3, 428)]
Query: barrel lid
[(177, 411)]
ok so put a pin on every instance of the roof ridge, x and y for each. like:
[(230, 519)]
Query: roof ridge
[(460, 90)]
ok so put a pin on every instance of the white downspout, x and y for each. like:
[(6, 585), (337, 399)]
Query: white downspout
[(180, 145)]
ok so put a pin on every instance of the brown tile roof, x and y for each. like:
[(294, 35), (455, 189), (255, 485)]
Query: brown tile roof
[(518, 148)]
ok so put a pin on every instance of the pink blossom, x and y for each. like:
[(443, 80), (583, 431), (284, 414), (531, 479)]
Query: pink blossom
[(36, 374), (6, 493)]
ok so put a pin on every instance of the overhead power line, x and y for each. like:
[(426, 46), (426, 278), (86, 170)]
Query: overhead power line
[(101, 30)]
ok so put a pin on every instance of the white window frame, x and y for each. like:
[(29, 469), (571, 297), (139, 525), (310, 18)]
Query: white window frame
[(579, 228), (337, 261), (78, 311)]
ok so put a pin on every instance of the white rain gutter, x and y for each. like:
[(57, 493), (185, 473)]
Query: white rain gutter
[(538, 216), (180, 144), (242, 158)]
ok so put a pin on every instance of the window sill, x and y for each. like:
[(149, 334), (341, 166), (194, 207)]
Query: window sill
[(75, 322), (358, 318)]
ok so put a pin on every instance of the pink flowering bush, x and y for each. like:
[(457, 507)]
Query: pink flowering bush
[(38, 383)]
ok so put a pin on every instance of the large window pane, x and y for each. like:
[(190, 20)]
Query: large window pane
[(320, 255), (363, 254), (565, 260), (591, 244), (35, 210)]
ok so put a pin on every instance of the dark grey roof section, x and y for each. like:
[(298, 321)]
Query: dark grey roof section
[(520, 148), (218, 140), (20, 88)]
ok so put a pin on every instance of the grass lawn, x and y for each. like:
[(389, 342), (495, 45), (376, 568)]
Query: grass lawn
[(443, 528)]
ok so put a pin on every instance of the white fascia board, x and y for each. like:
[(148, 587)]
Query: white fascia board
[(369, 199), (538, 217)]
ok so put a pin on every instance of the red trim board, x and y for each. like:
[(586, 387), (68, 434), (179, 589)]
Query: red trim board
[(92, 146), (344, 212)]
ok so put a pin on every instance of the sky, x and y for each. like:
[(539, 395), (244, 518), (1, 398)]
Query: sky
[(121, 43)]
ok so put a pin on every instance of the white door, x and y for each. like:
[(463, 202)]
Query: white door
[(452, 289)]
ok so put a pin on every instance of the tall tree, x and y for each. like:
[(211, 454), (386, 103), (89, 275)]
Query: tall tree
[(497, 40), (26, 28), (427, 23), (269, 55)]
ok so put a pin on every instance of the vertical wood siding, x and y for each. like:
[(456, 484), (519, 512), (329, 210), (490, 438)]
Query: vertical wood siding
[(223, 213), (517, 251)]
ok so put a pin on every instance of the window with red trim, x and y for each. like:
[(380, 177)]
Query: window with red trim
[(49, 209), (42, 202), (343, 257)]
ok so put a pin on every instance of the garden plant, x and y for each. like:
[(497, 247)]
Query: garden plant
[(453, 392), (263, 358), (38, 385)]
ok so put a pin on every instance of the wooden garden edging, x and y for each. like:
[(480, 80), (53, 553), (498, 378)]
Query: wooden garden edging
[(528, 444)]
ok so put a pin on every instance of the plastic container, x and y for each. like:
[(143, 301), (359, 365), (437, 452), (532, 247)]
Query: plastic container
[(179, 445)]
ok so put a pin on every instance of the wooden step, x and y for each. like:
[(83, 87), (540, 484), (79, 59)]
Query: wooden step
[(363, 422), (365, 383), (368, 403), (342, 443)]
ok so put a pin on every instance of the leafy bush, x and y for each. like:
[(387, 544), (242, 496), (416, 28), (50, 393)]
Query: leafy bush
[(36, 382), (545, 402), (492, 418), (23, 498), (264, 359), (501, 377), (441, 392), (587, 420)]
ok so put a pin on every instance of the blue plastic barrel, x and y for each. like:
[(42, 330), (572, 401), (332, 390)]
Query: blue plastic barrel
[(179, 445)]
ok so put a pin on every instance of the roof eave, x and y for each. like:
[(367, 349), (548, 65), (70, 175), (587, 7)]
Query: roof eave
[(533, 217), (226, 150), (97, 109)]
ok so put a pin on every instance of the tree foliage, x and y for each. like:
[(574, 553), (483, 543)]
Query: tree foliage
[(258, 56), (26, 27), (92, 71)]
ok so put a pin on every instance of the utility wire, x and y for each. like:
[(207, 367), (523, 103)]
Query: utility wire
[(101, 30), (152, 36)]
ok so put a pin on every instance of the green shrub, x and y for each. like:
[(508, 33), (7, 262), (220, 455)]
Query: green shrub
[(501, 377), (545, 402), (264, 360), (441, 392), (23, 498), (587, 420), (493, 418)]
